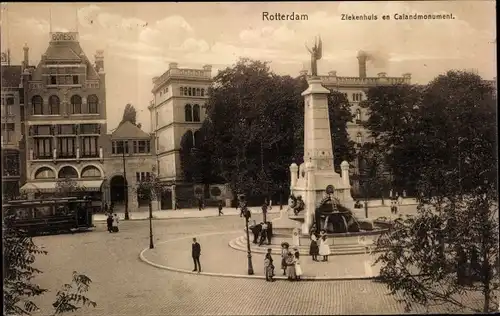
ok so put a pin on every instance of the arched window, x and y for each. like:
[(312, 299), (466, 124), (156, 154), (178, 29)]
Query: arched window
[(189, 91), (359, 138), (91, 172), (76, 104), (54, 104), (182, 90), (196, 113), (197, 139), (358, 115), (92, 101), (198, 93), (67, 172), (188, 114), (202, 92), (45, 173), (37, 103)]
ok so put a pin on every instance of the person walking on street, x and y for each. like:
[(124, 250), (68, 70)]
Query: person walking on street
[(313, 248), (269, 266), (264, 211), (324, 248), (284, 254), (115, 223), (200, 204), (195, 253), (109, 221), (220, 208)]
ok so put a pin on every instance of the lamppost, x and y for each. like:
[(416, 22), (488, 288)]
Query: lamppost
[(151, 245), (247, 215), (125, 181)]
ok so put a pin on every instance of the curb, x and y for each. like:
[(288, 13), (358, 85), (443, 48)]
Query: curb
[(237, 276), (179, 217)]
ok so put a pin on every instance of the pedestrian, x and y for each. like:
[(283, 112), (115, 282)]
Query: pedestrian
[(298, 268), (290, 267), (284, 254), (200, 204), (263, 233), (324, 248), (195, 253), (109, 221), (269, 266), (256, 229), (115, 223), (220, 208), (264, 211), (269, 232), (313, 248)]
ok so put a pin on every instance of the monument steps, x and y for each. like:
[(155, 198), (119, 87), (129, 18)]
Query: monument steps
[(240, 244)]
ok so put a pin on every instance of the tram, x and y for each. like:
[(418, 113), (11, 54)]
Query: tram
[(54, 215)]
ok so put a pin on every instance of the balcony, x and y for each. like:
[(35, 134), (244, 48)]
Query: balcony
[(66, 156), (42, 156), (90, 155)]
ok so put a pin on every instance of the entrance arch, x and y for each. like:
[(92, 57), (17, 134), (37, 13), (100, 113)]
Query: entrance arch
[(117, 189)]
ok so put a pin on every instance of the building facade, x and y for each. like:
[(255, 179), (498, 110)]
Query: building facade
[(65, 117), (13, 116), (176, 113)]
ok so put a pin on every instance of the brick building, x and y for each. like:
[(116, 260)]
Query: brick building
[(65, 117)]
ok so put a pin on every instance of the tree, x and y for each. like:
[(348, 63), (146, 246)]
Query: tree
[(129, 114), (373, 177), (19, 255), (450, 248)]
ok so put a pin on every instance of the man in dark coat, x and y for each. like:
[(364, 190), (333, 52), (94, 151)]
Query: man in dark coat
[(220, 208), (109, 221), (195, 253), (264, 211)]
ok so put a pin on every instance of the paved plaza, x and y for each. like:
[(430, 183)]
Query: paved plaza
[(125, 285)]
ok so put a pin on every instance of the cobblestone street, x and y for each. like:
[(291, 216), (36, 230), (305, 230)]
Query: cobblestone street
[(124, 285)]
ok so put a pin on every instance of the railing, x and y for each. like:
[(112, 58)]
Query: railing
[(42, 156), (66, 156), (92, 155)]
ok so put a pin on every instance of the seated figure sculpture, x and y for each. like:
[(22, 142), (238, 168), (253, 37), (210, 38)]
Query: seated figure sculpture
[(333, 217), (297, 204)]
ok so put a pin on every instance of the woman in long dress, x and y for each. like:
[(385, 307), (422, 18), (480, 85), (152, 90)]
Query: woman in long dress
[(284, 254), (268, 266), (115, 223), (313, 248), (324, 248), (290, 267), (298, 269)]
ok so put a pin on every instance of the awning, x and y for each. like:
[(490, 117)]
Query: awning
[(89, 185)]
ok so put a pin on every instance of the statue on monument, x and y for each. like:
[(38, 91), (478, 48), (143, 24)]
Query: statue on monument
[(316, 54)]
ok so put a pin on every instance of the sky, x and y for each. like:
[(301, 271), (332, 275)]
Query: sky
[(140, 39)]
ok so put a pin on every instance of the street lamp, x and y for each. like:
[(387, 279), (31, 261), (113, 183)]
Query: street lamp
[(125, 181), (151, 245), (247, 214)]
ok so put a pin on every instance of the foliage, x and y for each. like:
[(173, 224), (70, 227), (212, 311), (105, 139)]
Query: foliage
[(19, 254), (373, 177), (129, 114), (150, 188), (68, 187), (436, 127), (254, 129)]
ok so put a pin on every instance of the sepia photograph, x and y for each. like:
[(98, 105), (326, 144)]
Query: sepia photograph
[(249, 158)]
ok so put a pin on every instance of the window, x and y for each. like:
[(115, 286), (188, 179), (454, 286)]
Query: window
[(185, 91), (45, 173), (359, 138), (75, 79), (189, 91), (181, 90), (196, 113), (53, 80), (188, 115), (22, 114), (87, 129), (202, 92), (42, 130), (142, 176), (89, 147), (138, 176), (68, 172), (76, 104), (66, 147), (21, 96), (358, 115), (66, 129), (43, 148), (68, 80), (91, 172), (141, 146), (118, 147), (54, 104), (37, 103), (92, 102), (8, 132), (11, 165)]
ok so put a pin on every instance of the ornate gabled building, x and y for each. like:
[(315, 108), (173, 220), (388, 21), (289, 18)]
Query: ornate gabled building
[(65, 117), (177, 113)]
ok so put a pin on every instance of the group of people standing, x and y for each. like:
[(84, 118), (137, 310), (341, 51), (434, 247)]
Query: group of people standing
[(323, 249), (290, 262)]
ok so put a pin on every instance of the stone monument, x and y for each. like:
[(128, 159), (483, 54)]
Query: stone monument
[(310, 180)]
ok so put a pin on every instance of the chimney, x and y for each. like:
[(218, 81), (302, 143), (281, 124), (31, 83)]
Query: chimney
[(333, 73), (99, 60), (26, 56), (173, 65), (362, 57), (207, 67)]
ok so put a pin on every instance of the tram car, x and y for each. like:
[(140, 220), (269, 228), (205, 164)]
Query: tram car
[(58, 215)]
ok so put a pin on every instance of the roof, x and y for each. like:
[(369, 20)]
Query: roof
[(11, 76), (127, 130)]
